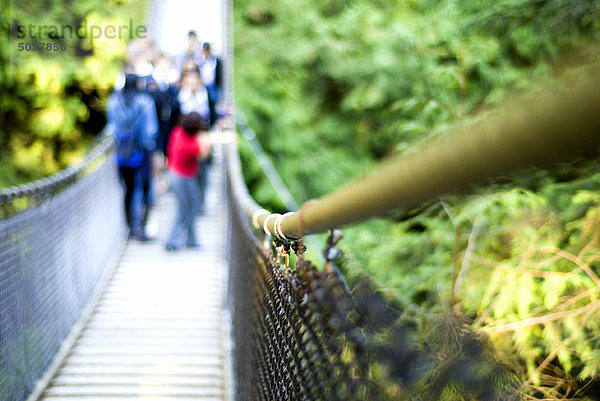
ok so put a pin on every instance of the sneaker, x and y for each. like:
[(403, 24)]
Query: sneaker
[(170, 247)]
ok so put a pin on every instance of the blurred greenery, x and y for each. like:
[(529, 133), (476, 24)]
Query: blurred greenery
[(331, 87), (51, 103)]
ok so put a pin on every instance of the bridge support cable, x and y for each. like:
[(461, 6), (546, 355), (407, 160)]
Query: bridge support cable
[(59, 237), (267, 166), (557, 127)]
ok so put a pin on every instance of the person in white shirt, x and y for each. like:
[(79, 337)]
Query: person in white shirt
[(193, 95)]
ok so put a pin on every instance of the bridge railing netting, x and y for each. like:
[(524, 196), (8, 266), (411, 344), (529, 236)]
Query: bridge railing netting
[(53, 253), (301, 334)]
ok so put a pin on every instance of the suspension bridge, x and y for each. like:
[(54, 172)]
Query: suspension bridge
[(87, 314)]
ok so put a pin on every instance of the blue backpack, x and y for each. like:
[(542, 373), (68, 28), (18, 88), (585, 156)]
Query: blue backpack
[(129, 151)]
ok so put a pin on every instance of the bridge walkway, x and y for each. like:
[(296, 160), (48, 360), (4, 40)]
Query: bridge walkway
[(159, 330)]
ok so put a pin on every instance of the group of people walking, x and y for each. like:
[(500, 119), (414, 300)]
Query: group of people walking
[(162, 109)]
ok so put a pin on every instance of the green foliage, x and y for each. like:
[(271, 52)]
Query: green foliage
[(332, 87), (537, 287), (355, 84), (51, 102)]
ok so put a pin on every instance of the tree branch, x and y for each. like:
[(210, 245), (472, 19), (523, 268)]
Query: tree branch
[(575, 259), (541, 319)]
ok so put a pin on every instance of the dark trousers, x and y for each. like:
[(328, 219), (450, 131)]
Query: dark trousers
[(128, 177), (213, 97)]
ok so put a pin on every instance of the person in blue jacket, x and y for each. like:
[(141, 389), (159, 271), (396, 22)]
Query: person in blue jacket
[(132, 118)]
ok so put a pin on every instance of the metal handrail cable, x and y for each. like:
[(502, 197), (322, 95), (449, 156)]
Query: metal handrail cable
[(555, 128), (48, 185)]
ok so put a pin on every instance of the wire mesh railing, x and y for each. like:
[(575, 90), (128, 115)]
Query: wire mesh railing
[(301, 334), (57, 238)]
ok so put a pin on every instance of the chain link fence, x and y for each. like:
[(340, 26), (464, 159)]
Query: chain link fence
[(57, 237), (302, 334)]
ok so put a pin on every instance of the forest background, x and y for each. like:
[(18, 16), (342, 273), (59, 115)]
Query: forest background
[(332, 87)]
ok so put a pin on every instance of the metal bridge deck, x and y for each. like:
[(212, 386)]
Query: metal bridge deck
[(159, 331)]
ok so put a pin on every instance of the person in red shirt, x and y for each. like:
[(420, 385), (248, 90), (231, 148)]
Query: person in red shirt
[(184, 150)]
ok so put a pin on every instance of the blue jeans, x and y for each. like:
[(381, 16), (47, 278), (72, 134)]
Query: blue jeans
[(202, 183), (188, 194)]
